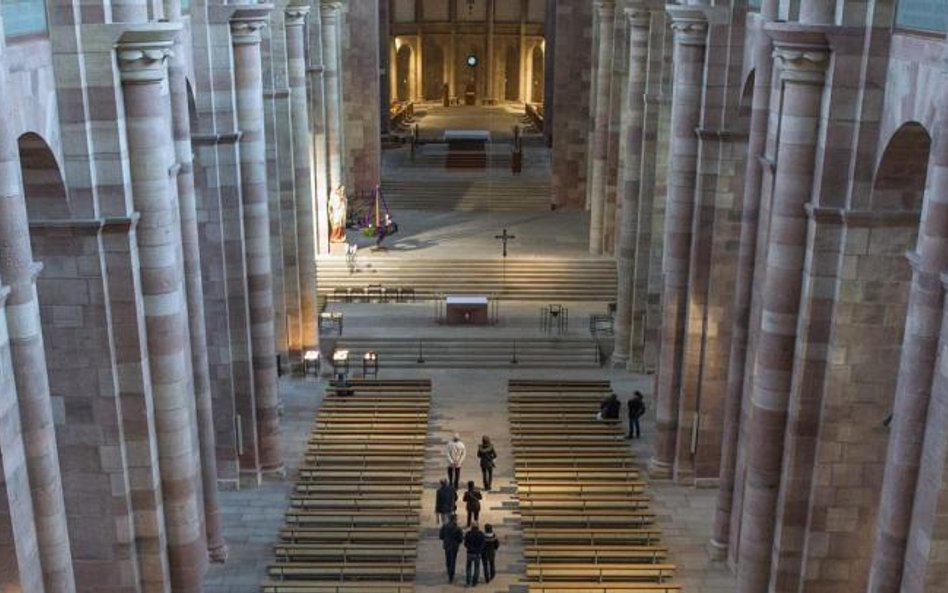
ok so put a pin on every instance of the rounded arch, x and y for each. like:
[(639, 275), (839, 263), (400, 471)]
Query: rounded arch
[(192, 104), (43, 185), (747, 91), (902, 170), (538, 80), (403, 72)]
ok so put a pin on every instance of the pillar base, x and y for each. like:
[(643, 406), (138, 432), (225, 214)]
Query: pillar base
[(274, 473), (250, 478), (659, 470), (230, 484), (619, 361), (717, 551), (218, 553)]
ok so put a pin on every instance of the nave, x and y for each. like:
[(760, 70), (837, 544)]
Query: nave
[(253, 519)]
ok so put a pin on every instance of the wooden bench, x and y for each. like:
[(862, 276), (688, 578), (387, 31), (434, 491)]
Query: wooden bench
[(602, 588), (317, 571), (632, 519), (600, 572), (334, 552), (583, 505), (338, 520), (590, 537), (327, 587), (371, 535), (595, 555), (542, 492)]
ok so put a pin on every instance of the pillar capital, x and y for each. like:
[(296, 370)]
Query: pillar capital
[(801, 52), (296, 15), (330, 8), (246, 24), (638, 16), (142, 55), (605, 9), (689, 24)]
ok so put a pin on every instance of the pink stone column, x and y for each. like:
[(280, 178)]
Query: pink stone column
[(302, 170), (248, 80), (801, 57), (317, 118), (142, 63), (916, 372), (331, 15), (598, 148), (24, 330), (632, 128), (691, 31), (190, 245), (747, 252)]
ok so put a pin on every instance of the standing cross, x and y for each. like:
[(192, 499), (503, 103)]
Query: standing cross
[(505, 237)]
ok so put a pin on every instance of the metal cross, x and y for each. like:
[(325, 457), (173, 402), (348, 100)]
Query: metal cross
[(505, 237)]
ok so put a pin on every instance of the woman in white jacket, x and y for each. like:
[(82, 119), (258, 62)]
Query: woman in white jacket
[(455, 452)]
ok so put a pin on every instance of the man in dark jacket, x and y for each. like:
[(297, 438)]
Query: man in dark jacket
[(636, 410), (445, 502), (609, 408), (451, 537), (474, 544)]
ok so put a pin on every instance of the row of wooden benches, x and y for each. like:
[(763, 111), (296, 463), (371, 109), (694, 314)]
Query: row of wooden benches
[(587, 527), (353, 520)]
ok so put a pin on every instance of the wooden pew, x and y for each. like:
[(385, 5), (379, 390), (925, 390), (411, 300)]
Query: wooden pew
[(352, 571), (390, 535), (603, 588), (328, 587), (595, 555), (589, 536)]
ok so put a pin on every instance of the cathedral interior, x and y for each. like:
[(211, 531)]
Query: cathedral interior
[(260, 262)]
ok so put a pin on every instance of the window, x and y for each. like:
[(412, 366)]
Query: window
[(24, 17), (922, 15)]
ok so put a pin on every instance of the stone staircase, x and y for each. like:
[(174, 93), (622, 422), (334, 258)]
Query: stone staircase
[(547, 280), (472, 352), (468, 195)]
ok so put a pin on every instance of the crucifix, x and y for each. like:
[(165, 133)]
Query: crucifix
[(505, 237)]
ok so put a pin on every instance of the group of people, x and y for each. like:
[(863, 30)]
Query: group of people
[(481, 546), (610, 407)]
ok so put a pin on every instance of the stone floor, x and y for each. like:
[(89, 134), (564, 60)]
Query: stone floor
[(473, 403)]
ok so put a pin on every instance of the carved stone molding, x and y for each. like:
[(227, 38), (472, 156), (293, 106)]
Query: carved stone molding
[(330, 9), (142, 56), (802, 63), (606, 9), (638, 17), (689, 25), (296, 15), (247, 23)]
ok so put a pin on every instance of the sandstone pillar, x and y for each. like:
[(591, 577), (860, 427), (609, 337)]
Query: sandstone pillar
[(331, 14), (491, 65), (29, 441), (747, 252), (916, 371), (248, 79), (141, 59), (632, 128), (801, 58), (317, 118), (690, 30), (302, 171), (190, 244), (598, 148)]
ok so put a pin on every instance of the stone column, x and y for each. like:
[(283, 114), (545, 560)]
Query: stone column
[(141, 59), (317, 118), (28, 358), (801, 57), (491, 65), (691, 32), (916, 372), (747, 252), (331, 14), (245, 25), (303, 174), (598, 147), (632, 128), (190, 244)]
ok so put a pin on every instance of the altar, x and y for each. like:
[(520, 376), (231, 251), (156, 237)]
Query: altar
[(467, 149), (466, 310)]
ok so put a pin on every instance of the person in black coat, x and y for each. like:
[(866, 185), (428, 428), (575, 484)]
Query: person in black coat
[(609, 408), (636, 411), (474, 544), (486, 454), (451, 537), (472, 501), (445, 502), (489, 554)]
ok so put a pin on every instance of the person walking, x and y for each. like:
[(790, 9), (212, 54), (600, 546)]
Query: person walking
[(474, 544), (455, 452), (489, 554), (445, 502), (472, 501), (487, 455), (636, 411), (451, 537)]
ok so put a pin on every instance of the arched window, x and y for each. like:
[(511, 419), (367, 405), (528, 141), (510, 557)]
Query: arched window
[(24, 17), (922, 15)]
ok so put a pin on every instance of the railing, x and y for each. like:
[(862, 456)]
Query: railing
[(535, 114)]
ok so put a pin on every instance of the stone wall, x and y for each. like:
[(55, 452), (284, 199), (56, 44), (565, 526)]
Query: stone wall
[(360, 83)]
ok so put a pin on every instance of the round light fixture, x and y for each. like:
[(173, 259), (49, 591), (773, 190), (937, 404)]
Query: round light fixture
[(472, 61)]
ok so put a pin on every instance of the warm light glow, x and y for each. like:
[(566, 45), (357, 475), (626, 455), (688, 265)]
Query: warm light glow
[(311, 355), (371, 355), (340, 356)]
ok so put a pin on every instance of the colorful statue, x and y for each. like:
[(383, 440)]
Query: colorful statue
[(337, 215)]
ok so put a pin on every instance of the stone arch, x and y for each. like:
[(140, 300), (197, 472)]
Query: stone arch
[(747, 93), (432, 70), (538, 80), (403, 72), (43, 184), (899, 180), (511, 73)]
